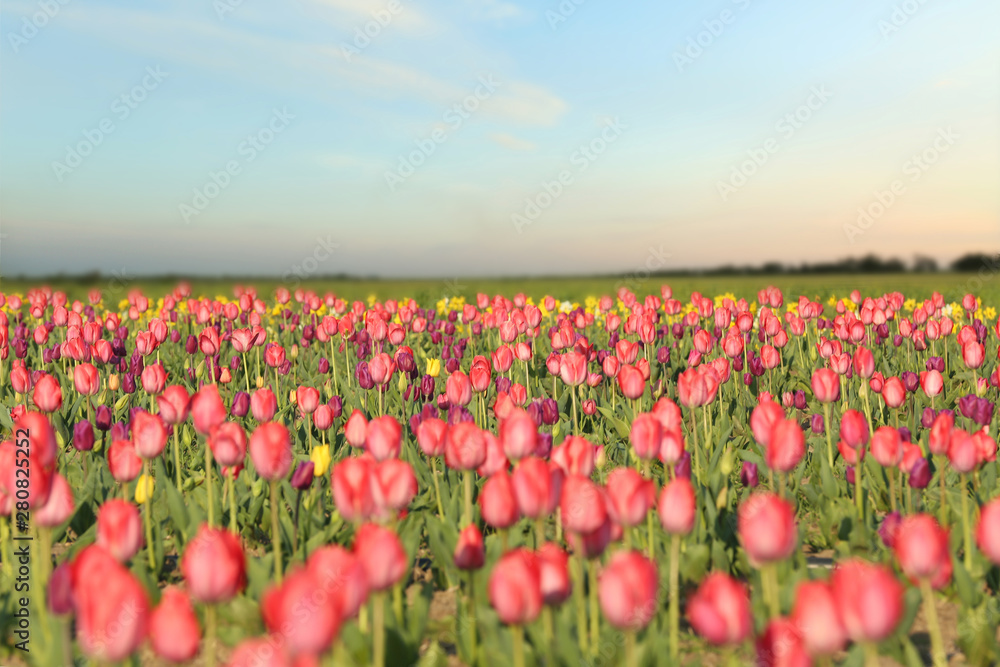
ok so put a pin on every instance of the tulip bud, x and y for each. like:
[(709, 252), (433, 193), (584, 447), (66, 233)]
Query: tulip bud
[(83, 436), (144, 489), (303, 476), (683, 467), (748, 475), (889, 528), (241, 404), (817, 424), (60, 590), (469, 552)]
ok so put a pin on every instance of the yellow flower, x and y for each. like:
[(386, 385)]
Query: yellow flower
[(909, 304), (144, 489), (321, 460), (434, 367)]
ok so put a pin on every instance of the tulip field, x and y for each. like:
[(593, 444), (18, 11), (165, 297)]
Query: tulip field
[(297, 478)]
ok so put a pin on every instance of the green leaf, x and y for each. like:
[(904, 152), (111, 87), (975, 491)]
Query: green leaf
[(694, 564), (179, 515), (620, 426), (963, 584)]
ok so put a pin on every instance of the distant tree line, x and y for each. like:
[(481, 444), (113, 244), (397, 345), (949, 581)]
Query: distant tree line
[(868, 264), (968, 263)]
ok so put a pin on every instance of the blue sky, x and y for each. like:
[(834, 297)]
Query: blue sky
[(683, 134)]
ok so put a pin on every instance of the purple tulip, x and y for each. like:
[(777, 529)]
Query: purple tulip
[(967, 405), (683, 467), (535, 412), (83, 436), (336, 404), (748, 475), (302, 478), (817, 424), (119, 431), (890, 526), (935, 364), (663, 355), (458, 414), (406, 363), (920, 474), (544, 445), (364, 376), (927, 417), (550, 411), (103, 417), (241, 404), (60, 590), (324, 366)]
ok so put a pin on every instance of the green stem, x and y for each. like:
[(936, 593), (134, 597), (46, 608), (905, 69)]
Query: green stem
[(437, 487), (871, 654), (517, 632), (275, 530), (694, 446), (210, 635), (930, 611), (859, 498), (943, 506), (829, 438), (595, 611), (468, 496), (892, 488), (177, 459), (147, 514), (472, 617), (378, 637), (769, 580), (397, 604), (674, 611), (208, 485), (630, 655), (966, 524), (232, 504), (576, 422), (581, 603)]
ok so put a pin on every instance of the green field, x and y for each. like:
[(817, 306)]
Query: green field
[(427, 291)]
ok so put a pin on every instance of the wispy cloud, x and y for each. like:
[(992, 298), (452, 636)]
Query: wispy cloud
[(319, 69), (349, 14), (512, 142), (494, 10)]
